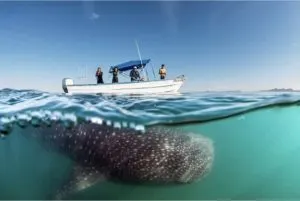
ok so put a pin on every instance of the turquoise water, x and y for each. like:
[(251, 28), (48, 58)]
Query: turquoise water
[(256, 146)]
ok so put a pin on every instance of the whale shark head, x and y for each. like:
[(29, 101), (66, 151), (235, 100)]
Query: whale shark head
[(156, 155)]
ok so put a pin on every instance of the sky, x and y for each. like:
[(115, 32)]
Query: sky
[(217, 45)]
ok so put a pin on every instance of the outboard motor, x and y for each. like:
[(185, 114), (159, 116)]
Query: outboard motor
[(65, 83)]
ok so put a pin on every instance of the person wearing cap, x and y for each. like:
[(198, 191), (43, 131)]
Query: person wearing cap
[(162, 72), (134, 74)]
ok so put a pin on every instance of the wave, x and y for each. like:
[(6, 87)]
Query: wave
[(30, 106)]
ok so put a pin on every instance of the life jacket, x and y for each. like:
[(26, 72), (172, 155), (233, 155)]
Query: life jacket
[(162, 71)]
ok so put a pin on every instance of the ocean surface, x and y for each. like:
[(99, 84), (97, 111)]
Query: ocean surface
[(256, 140)]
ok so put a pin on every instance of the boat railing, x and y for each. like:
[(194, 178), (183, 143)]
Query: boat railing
[(179, 78)]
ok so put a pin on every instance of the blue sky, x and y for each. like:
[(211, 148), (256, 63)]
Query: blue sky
[(230, 45)]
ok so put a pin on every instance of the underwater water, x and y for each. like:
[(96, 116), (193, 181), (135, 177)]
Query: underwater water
[(256, 141)]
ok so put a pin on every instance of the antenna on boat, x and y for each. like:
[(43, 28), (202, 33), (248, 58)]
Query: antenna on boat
[(153, 71), (84, 74), (138, 49)]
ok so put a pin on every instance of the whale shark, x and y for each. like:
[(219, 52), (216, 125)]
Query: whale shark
[(148, 155)]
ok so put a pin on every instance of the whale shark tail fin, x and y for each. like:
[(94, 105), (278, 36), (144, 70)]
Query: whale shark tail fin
[(80, 179)]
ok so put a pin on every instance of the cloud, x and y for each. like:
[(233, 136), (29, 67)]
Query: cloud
[(89, 10), (94, 16)]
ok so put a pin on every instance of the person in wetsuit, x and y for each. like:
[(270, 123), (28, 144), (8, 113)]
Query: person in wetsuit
[(99, 76), (134, 74), (115, 75)]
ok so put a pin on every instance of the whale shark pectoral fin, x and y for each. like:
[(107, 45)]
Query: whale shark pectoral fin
[(80, 179)]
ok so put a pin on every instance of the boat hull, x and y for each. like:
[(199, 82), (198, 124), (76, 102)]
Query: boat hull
[(144, 87)]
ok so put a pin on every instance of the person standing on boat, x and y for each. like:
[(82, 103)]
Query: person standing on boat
[(162, 72), (134, 74), (115, 78), (99, 75)]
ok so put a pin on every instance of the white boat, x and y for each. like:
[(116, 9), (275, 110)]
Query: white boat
[(139, 87), (144, 87)]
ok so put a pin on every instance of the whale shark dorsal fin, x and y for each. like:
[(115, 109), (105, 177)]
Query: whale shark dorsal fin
[(80, 179)]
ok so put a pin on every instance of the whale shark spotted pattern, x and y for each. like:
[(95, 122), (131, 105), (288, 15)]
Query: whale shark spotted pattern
[(157, 155)]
